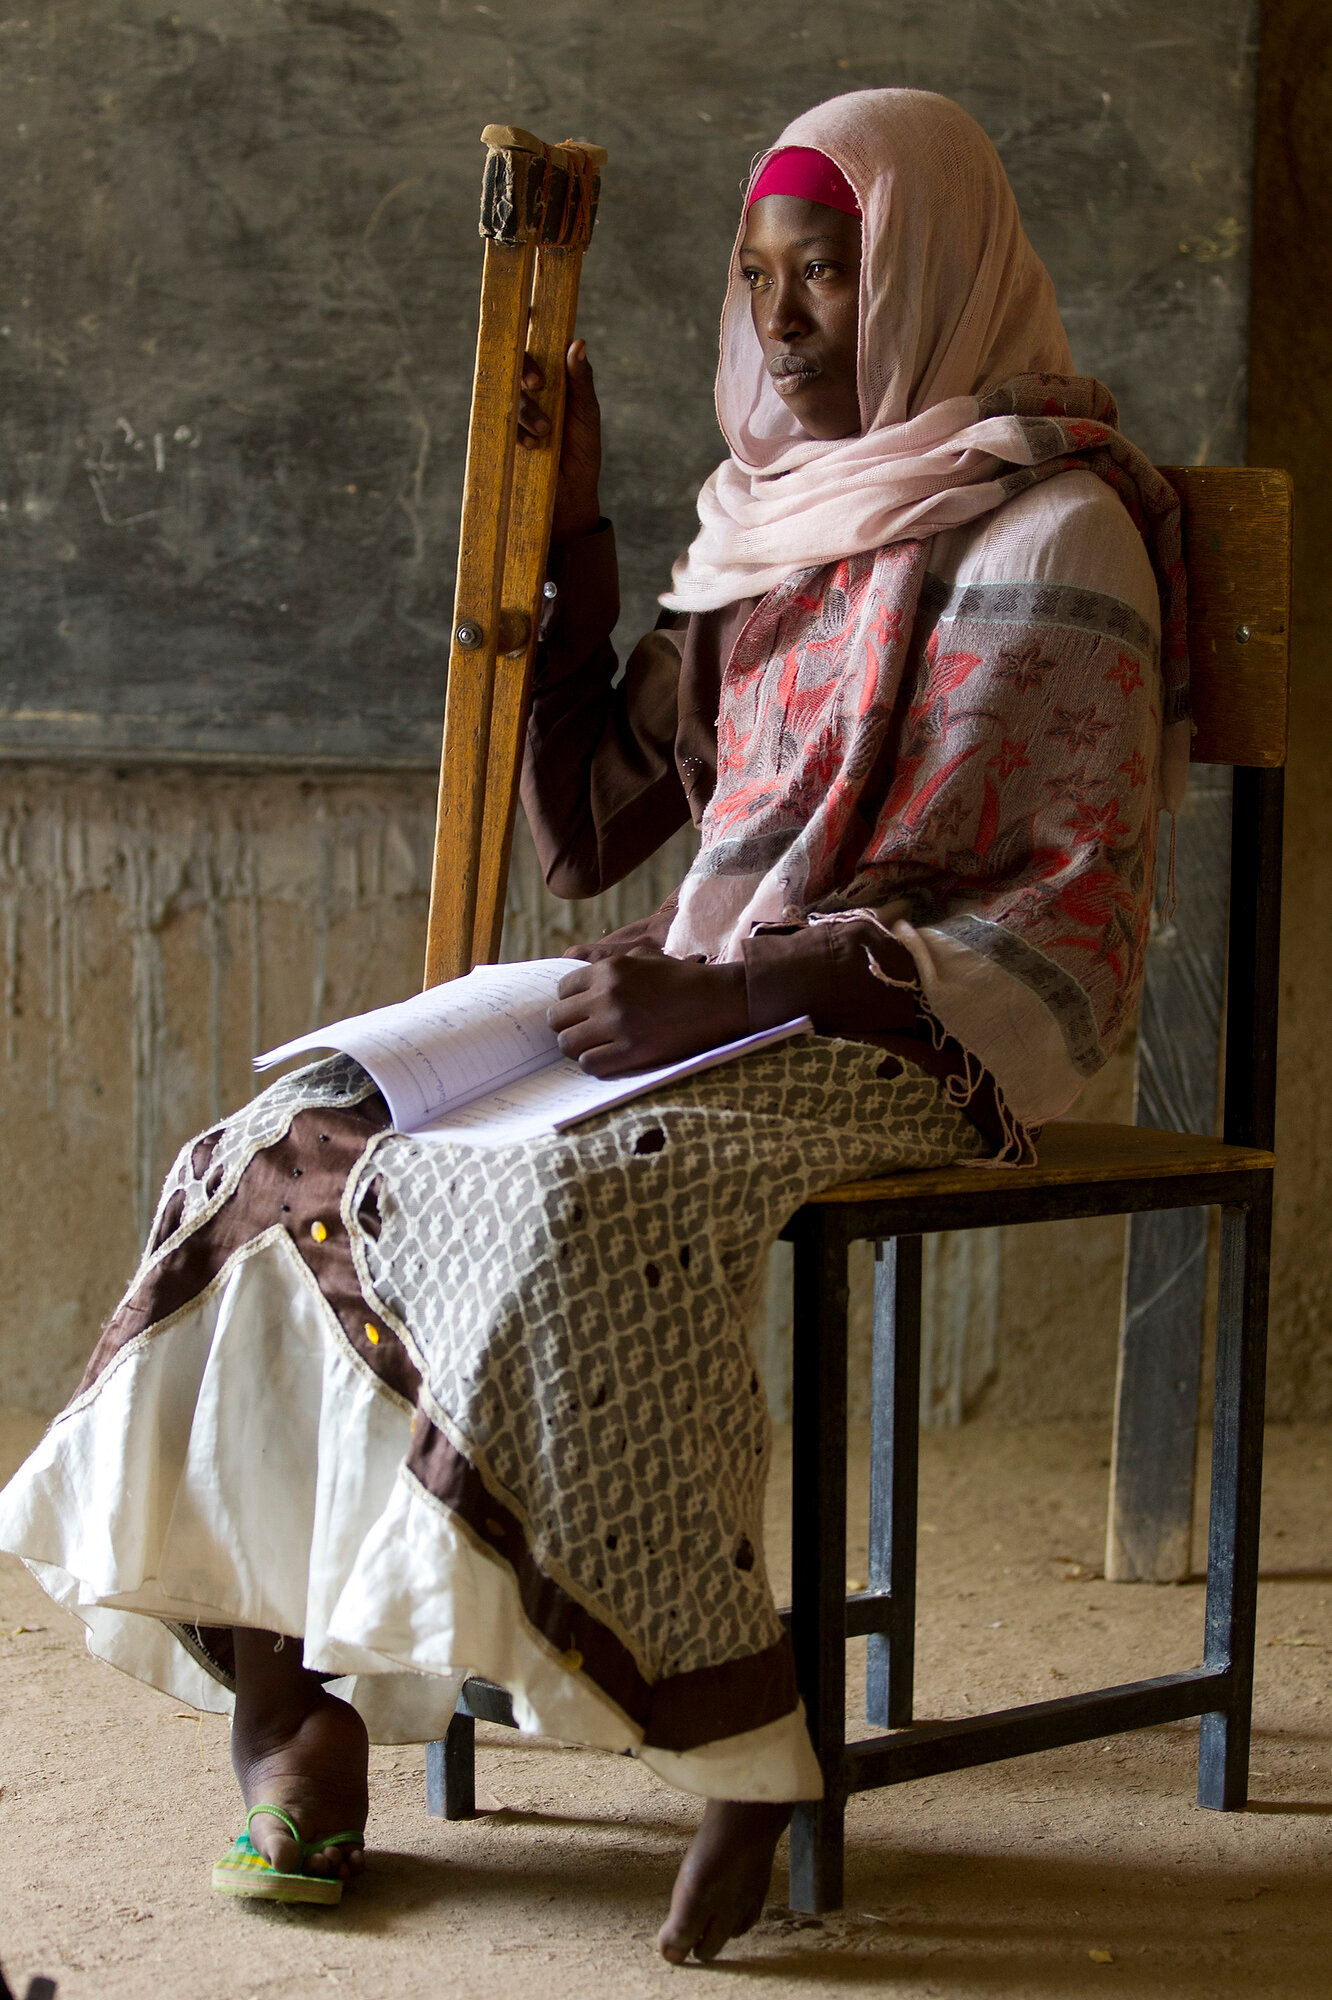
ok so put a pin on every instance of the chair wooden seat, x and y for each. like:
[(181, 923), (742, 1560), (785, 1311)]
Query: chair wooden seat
[(1073, 1152)]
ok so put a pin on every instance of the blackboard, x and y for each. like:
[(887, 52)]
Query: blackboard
[(239, 280)]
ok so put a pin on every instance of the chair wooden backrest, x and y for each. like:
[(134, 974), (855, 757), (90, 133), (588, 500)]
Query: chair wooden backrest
[(1237, 554), (1237, 542)]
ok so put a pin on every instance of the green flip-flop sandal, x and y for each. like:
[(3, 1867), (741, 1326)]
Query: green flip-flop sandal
[(243, 1871)]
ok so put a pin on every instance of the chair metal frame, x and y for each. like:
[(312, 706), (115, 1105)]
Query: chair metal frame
[(1236, 1177), (1086, 1170)]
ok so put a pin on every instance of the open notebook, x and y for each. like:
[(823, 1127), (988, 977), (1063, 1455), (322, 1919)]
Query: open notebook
[(474, 1061)]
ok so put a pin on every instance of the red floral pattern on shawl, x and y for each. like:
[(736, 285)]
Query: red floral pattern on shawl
[(987, 788)]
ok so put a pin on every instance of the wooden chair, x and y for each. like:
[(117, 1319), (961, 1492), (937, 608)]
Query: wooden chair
[(1237, 551)]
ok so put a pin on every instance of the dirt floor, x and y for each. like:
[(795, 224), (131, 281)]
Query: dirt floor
[(1085, 1871)]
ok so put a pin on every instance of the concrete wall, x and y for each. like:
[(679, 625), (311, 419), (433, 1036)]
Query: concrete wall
[(269, 208), (158, 931)]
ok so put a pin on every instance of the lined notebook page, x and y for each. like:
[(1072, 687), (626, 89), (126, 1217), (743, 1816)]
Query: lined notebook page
[(474, 1061), (444, 1047), (561, 1094)]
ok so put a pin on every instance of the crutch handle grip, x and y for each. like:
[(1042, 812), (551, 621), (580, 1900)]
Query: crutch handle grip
[(512, 138), (535, 193)]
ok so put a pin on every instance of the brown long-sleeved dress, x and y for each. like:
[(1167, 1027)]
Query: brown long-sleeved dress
[(614, 768)]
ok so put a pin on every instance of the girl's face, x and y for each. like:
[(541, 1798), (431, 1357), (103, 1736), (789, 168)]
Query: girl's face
[(801, 262)]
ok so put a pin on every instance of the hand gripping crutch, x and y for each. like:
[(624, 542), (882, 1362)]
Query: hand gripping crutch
[(538, 205)]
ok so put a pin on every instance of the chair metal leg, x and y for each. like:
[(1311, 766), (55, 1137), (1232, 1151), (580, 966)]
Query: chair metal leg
[(818, 1552), (1237, 1472), (451, 1771), (894, 1467)]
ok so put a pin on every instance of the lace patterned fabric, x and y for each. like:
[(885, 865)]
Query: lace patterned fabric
[(580, 1310), (206, 1171)]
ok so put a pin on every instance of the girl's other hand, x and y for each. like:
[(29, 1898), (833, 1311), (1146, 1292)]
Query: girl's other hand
[(640, 1011), (577, 507)]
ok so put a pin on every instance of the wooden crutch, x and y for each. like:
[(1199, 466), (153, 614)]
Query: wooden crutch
[(538, 206)]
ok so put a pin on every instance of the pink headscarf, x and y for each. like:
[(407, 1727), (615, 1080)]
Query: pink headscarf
[(953, 303)]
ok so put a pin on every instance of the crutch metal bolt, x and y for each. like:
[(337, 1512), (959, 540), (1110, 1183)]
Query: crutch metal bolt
[(538, 206)]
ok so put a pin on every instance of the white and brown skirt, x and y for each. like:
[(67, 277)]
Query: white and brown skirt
[(442, 1411)]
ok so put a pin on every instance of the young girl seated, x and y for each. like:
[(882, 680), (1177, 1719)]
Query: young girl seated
[(374, 1413)]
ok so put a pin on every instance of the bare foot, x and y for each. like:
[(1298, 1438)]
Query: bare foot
[(294, 1746), (723, 1879)]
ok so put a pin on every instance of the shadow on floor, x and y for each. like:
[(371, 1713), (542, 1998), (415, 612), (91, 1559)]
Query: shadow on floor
[(1027, 1925), (942, 1923)]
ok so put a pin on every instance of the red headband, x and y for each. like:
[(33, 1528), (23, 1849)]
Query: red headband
[(800, 171)]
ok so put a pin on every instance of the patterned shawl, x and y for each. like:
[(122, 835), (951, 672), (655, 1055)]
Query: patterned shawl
[(976, 765)]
